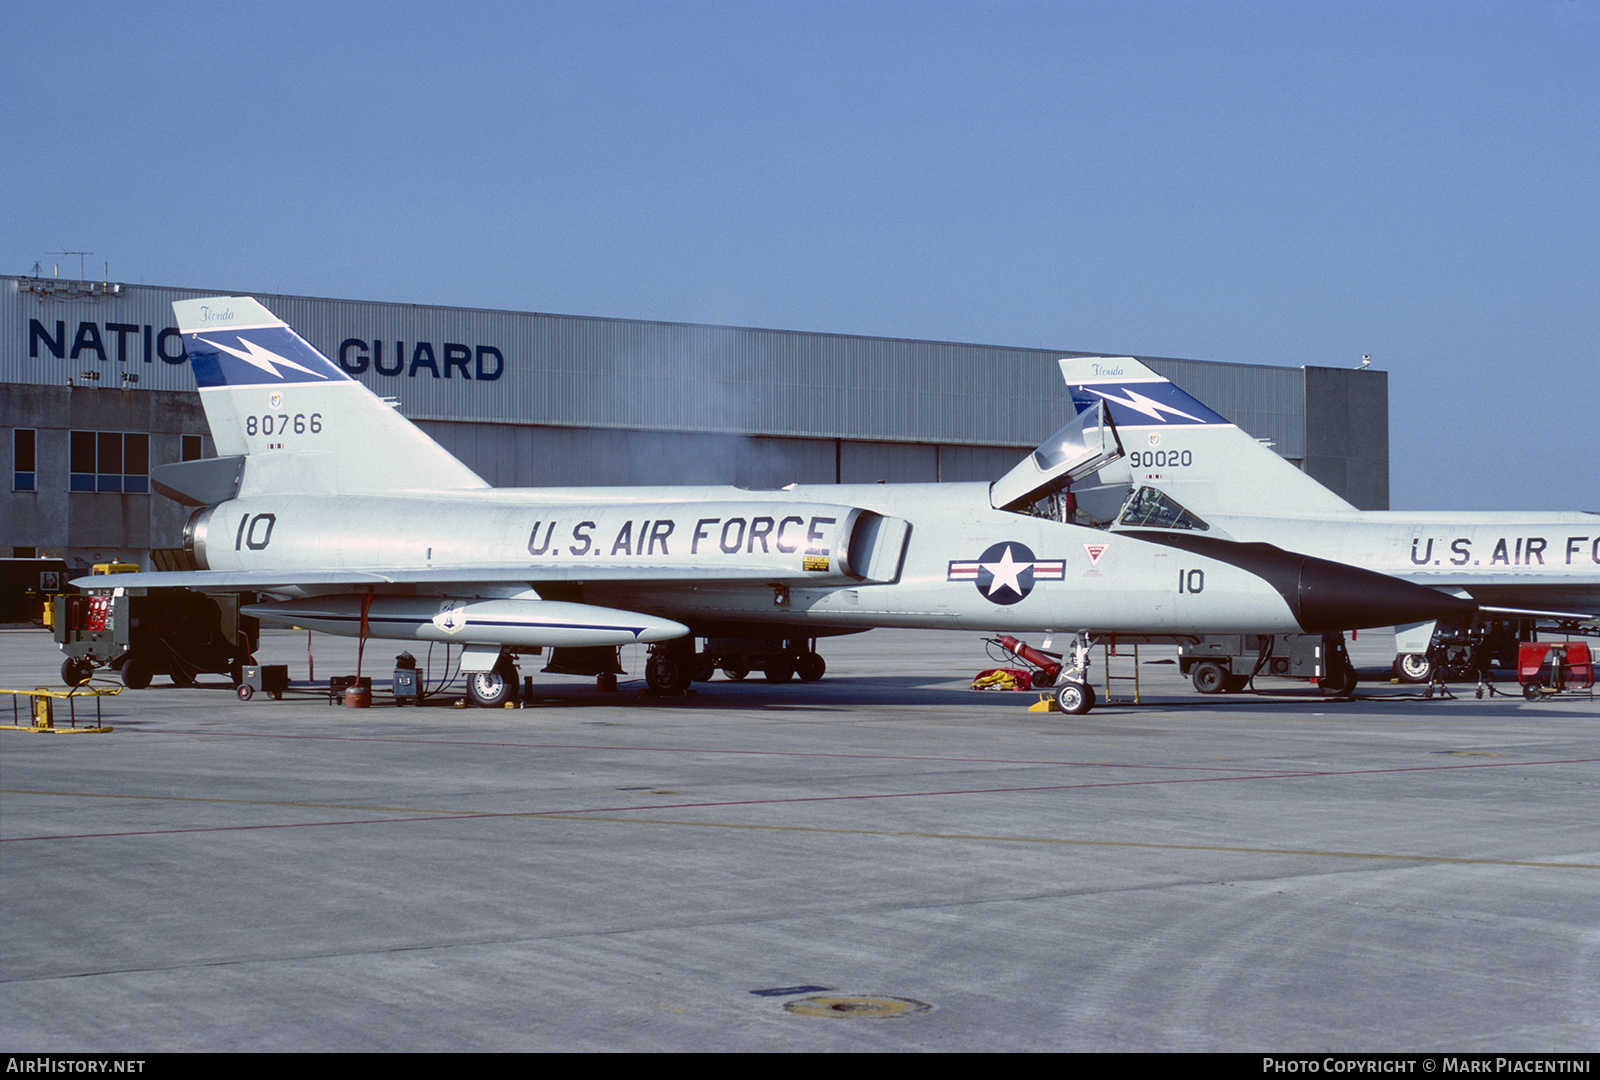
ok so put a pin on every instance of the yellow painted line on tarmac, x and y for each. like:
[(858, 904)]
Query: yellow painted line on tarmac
[(995, 838), (245, 802), (612, 819)]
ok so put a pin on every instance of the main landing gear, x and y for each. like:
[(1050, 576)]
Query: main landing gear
[(1414, 667), (496, 687), (671, 666)]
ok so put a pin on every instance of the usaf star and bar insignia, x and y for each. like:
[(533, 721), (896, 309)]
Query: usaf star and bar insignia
[(1006, 572)]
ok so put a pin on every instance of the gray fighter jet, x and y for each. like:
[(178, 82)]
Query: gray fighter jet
[(1191, 478), (350, 520)]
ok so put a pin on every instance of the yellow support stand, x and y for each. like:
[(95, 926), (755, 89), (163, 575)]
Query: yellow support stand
[(42, 709), (1109, 650)]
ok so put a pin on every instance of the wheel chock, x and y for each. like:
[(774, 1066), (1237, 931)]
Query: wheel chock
[(1046, 703)]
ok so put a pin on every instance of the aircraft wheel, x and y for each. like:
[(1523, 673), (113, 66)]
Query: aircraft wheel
[(811, 667), (666, 675), (492, 689), (1075, 698), (780, 669), (1208, 677), (75, 671), (136, 673), (1413, 668), (488, 689), (737, 674), (1341, 683)]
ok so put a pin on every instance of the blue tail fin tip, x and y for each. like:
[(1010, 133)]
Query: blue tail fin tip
[(235, 341)]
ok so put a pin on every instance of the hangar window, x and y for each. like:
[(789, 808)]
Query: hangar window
[(192, 448), (24, 467), (110, 461)]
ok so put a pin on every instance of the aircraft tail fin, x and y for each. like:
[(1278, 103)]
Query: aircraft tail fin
[(1178, 445), (302, 423)]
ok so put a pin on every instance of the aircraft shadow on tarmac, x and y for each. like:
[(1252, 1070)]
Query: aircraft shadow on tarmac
[(842, 693)]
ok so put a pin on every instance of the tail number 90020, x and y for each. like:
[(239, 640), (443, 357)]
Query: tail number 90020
[(1160, 459), (282, 424)]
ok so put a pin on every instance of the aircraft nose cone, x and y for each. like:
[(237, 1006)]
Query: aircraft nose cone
[(1325, 596), (1333, 596)]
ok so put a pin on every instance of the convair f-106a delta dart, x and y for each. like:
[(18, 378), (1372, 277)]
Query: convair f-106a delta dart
[(1227, 486), (348, 519)]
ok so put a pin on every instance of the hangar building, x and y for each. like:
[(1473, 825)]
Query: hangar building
[(97, 392)]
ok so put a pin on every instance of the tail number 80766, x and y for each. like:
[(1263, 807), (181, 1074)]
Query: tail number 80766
[(283, 423)]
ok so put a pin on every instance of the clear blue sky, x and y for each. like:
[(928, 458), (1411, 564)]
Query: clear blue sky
[(1273, 183)]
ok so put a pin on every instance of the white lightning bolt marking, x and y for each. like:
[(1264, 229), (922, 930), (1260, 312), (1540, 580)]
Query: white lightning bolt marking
[(256, 356), (1141, 404)]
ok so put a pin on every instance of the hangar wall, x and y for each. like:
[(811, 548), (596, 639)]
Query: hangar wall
[(96, 387), (529, 456)]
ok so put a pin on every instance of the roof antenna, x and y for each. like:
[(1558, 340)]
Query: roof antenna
[(80, 254)]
